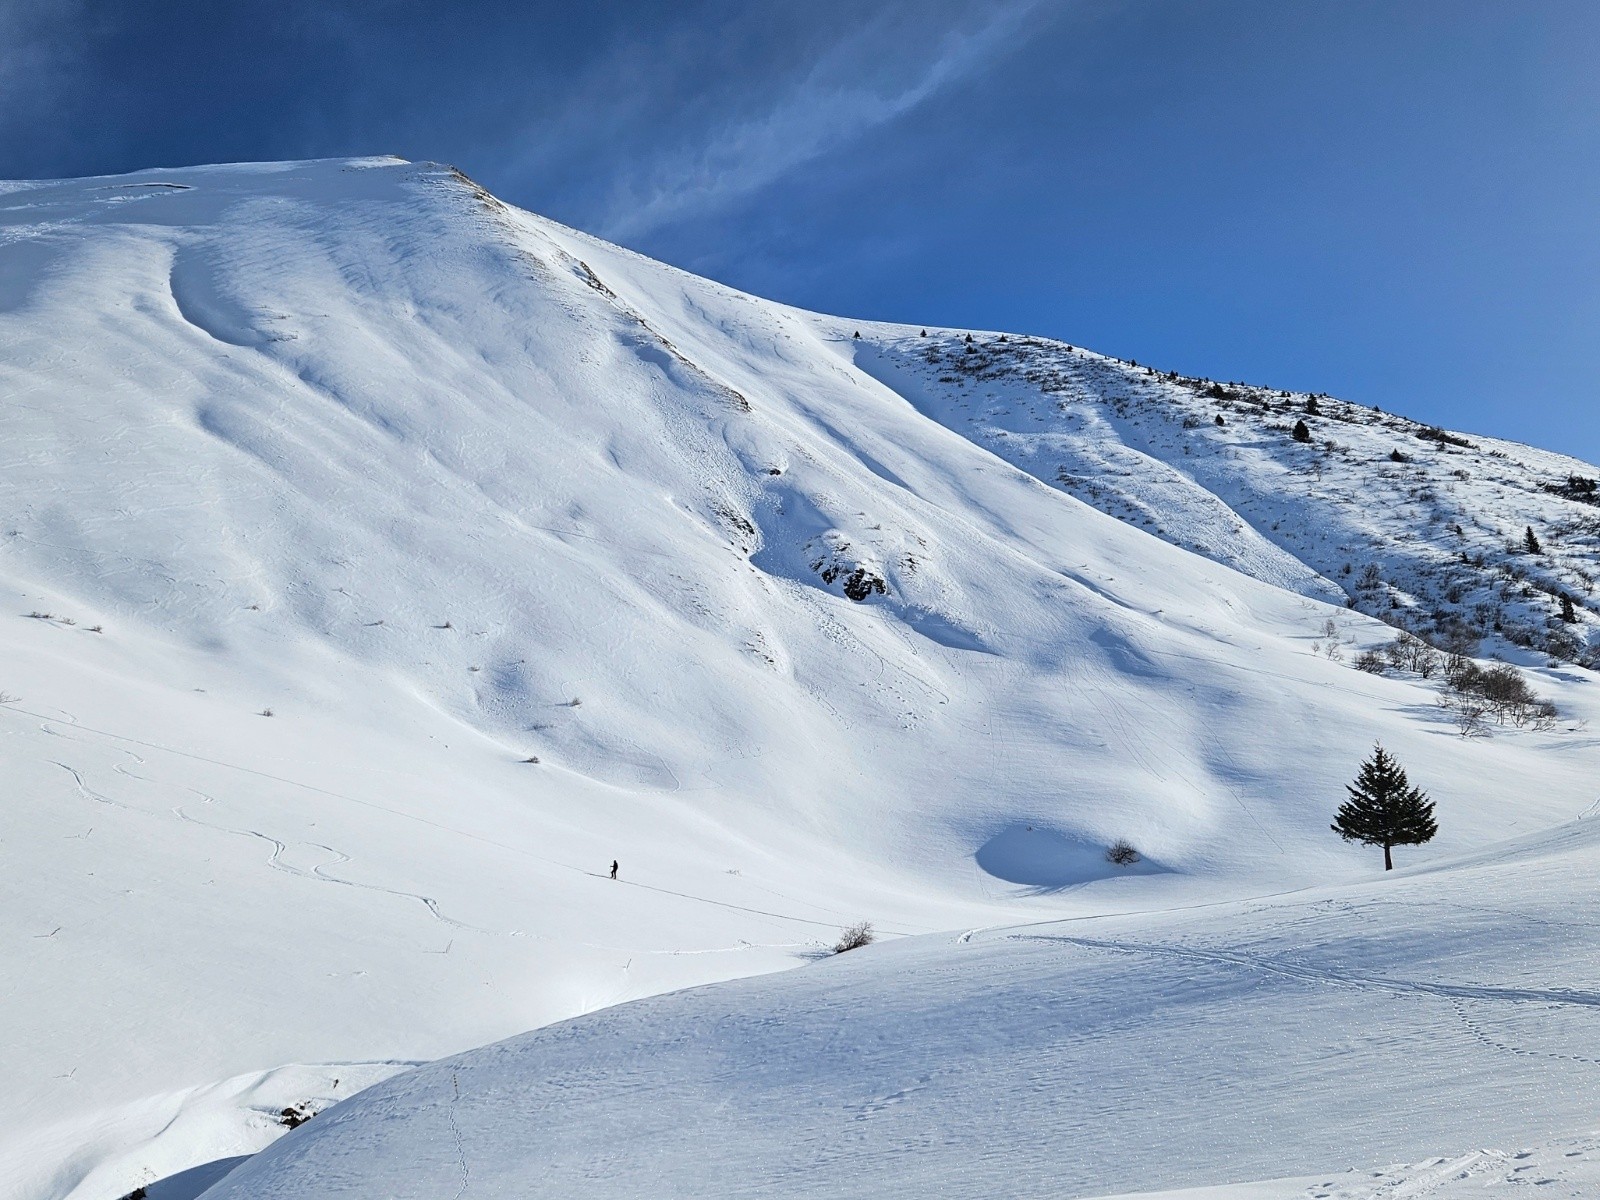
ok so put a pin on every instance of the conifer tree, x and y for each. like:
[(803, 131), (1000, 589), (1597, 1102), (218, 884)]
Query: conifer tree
[(1301, 433), (1384, 809), (1530, 541), (1567, 613)]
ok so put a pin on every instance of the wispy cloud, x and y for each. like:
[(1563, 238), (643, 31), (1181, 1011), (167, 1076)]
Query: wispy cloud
[(858, 84)]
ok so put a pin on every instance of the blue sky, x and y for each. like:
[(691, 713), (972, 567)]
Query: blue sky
[(1392, 202)]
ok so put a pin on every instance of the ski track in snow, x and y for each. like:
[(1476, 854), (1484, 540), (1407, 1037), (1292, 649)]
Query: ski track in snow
[(1454, 994), (319, 872), (426, 901), (461, 1150)]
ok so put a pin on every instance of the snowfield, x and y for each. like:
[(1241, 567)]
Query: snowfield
[(1275, 1037), (380, 562)]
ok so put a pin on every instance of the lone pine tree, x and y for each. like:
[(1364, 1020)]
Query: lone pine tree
[(1530, 542), (1384, 809)]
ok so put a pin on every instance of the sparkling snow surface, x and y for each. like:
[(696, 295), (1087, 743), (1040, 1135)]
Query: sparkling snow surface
[(444, 487), (1443, 1011)]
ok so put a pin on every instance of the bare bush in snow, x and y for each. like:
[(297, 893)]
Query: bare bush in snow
[(856, 936), (1408, 652), (1122, 853), (1499, 691)]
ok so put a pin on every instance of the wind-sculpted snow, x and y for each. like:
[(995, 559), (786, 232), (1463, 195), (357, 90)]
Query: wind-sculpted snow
[(1311, 1038), (380, 562)]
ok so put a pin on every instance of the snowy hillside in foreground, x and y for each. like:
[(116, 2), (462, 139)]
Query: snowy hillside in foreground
[(444, 487), (1451, 1014)]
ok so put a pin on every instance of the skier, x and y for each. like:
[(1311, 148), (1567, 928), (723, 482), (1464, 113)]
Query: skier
[(613, 868)]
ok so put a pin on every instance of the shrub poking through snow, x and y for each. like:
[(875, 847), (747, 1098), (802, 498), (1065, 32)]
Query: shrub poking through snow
[(1408, 652), (1469, 713), (1371, 661), (856, 936), (1585, 491), (1122, 853), (1500, 691)]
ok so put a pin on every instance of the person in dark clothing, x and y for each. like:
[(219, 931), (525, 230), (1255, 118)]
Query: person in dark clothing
[(613, 868)]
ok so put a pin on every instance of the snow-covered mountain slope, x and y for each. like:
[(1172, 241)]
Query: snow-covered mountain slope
[(445, 488), (1421, 527), (1448, 1014)]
